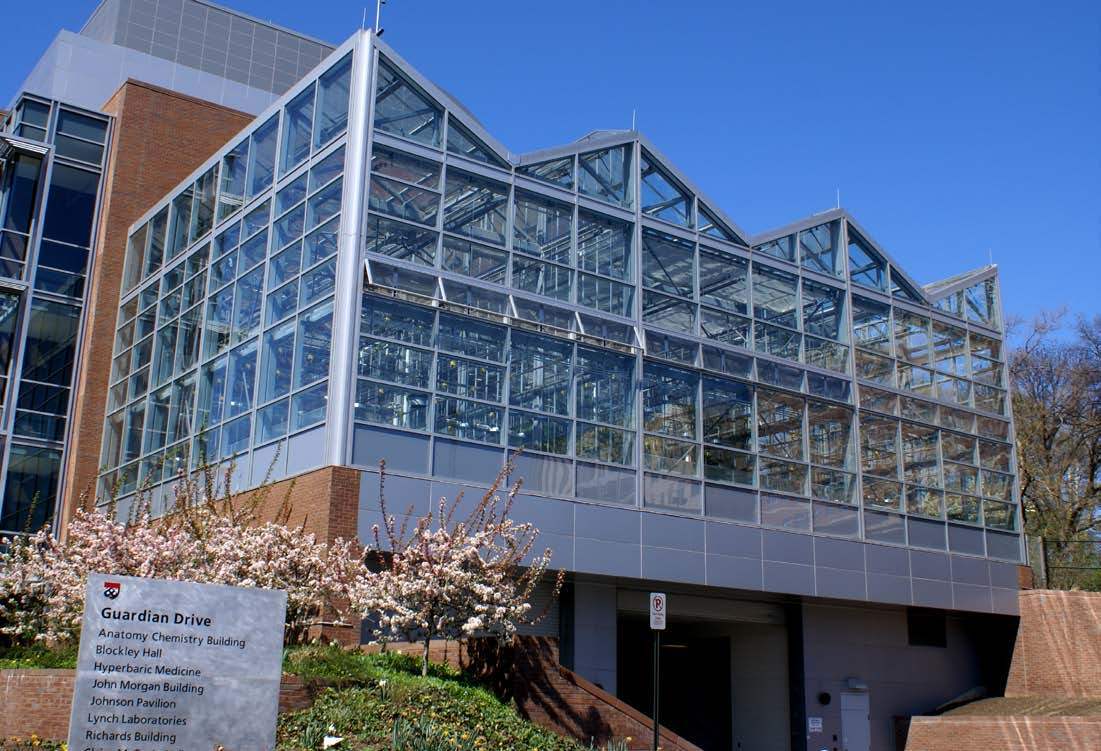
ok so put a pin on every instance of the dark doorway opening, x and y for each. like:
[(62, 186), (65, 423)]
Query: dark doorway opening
[(695, 680)]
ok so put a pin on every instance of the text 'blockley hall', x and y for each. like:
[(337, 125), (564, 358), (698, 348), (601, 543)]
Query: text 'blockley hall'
[(221, 238)]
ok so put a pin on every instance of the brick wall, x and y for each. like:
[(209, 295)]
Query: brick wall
[(1058, 649), (159, 138), (40, 701), (1004, 734)]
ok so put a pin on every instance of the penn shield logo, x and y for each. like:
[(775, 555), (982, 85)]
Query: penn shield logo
[(111, 590)]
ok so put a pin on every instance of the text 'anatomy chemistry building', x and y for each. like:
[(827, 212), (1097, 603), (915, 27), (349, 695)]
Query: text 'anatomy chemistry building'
[(304, 259)]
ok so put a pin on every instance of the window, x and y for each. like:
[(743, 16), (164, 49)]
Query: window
[(669, 398), (724, 281), (467, 419), (475, 207), (662, 197), (668, 264), (297, 127), (728, 413), (71, 206), (830, 434), (818, 248), (556, 172), (872, 325), (774, 296), (866, 268), (604, 245), (823, 310), (540, 373), (780, 424), (542, 227), (403, 110), (606, 175), (332, 102), (261, 155), (400, 240), (464, 143)]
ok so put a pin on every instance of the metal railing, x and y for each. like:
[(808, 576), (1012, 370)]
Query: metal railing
[(1071, 564)]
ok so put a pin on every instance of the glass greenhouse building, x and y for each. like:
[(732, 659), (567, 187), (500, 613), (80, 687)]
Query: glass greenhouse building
[(368, 274)]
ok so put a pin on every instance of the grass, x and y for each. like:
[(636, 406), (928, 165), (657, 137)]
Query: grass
[(380, 702)]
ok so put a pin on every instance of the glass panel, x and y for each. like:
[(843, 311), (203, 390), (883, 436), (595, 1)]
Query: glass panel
[(308, 407), (392, 405), (774, 296), (241, 380), (604, 294), (542, 227), (464, 143), (720, 465), (50, 345), (818, 248), (724, 327), (874, 368), (405, 241), (728, 413), (727, 362), (984, 346), (471, 259), (475, 297), (925, 502), (668, 312), (332, 101), (776, 341), (466, 419), (872, 325), (782, 248), (605, 444), (669, 398), (261, 157), (541, 278), (915, 409), (277, 361), (724, 281), (403, 110), (779, 424), (271, 421), (980, 303), (826, 354), (403, 201), (882, 494), (456, 376), (540, 373), (669, 456), (668, 263), (963, 508), (606, 175), (605, 387), (830, 434), (202, 216), (539, 432), (231, 194), (832, 486), (949, 349), (997, 515), (783, 477), (996, 485), (556, 172), (710, 225), (880, 401), (71, 205), (469, 337), (662, 197), (313, 345), (297, 125), (411, 169), (919, 455), (866, 268), (879, 445), (324, 204), (961, 479), (475, 207), (823, 310), (32, 484), (604, 245), (912, 339), (994, 455), (671, 348)]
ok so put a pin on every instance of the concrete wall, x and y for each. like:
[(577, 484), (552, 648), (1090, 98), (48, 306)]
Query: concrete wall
[(759, 679), (871, 645), (594, 646)]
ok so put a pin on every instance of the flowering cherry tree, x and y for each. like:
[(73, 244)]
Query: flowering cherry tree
[(448, 578), (211, 535)]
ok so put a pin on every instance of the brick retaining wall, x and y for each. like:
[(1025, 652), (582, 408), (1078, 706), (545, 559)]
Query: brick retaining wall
[(39, 701), (1004, 734)]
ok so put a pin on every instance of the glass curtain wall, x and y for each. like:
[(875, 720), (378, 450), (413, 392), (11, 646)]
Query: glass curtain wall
[(718, 368), (48, 205)]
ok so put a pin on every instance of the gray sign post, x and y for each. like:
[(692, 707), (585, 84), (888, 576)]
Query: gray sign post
[(177, 665), (658, 607)]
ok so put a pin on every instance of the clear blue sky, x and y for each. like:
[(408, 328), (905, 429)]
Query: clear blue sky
[(952, 129)]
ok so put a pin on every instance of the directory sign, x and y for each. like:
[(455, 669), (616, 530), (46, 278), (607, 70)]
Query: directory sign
[(168, 665)]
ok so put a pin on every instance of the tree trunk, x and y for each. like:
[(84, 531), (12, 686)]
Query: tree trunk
[(424, 657)]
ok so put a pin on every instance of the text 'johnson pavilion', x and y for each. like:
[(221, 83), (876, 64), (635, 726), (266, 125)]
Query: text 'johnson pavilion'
[(784, 431)]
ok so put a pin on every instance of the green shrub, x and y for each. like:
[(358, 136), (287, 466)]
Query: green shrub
[(37, 656)]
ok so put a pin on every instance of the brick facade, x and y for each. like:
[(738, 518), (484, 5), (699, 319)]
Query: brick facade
[(1004, 734), (1058, 650), (159, 138)]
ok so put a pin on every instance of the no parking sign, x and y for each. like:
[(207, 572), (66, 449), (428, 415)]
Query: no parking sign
[(657, 611)]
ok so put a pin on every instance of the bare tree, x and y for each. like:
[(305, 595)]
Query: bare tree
[(1055, 375)]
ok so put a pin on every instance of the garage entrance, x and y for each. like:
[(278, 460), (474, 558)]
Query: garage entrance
[(724, 674)]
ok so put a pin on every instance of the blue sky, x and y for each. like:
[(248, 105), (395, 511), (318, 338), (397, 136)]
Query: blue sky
[(953, 130)]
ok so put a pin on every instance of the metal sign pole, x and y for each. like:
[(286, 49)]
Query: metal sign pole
[(658, 608), (657, 684)]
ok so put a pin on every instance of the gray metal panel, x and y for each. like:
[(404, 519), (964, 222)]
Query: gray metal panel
[(549, 516), (840, 583), (839, 554), (970, 570), (730, 503), (929, 565), (788, 547), (734, 540), (402, 451), (667, 564), (614, 525), (790, 578), (1003, 574), (971, 597), (402, 493), (931, 593), (734, 571), (673, 532), (887, 588), (882, 559), (607, 558)]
